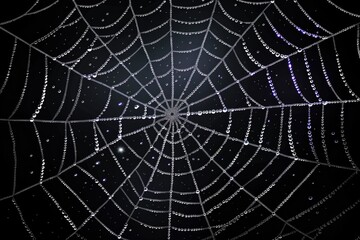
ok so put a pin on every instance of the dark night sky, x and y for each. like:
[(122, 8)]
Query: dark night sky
[(174, 119)]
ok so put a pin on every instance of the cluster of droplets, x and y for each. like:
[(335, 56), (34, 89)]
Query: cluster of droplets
[(96, 138), (313, 35), (114, 22), (120, 129), (343, 10), (310, 135), (321, 201), (171, 182), (191, 23), (10, 66), (246, 142), (312, 84), (193, 7), (272, 87), (153, 11), (229, 124), (63, 212), (358, 39), (327, 79), (279, 35), (43, 95), (73, 47), (92, 214), (251, 57), (267, 47), (229, 16), (249, 161), (42, 170), (22, 219), (55, 30), (316, 24), (337, 217), (322, 133), (189, 33), (293, 78), (343, 139), (290, 135), (341, 72), (113, 35)]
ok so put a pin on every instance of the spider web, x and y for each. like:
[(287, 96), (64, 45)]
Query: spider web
[(177, 119)]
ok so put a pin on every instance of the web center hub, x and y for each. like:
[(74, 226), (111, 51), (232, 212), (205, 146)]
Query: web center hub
[(172, 114)]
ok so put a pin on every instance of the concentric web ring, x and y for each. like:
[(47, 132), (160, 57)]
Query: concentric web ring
[(179, 119)]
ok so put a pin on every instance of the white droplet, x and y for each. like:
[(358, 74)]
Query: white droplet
[(120, 150)]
